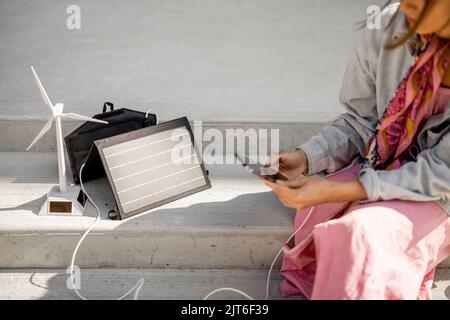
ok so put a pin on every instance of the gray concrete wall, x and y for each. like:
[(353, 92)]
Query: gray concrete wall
[(215, 60)]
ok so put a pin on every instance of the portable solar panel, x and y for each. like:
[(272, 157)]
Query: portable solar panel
[(152, 166)]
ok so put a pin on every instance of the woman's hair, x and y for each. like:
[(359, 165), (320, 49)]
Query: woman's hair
[(411, 30)]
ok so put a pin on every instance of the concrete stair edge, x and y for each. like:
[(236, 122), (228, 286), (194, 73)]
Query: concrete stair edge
[(49, 284), (18, 133), (183, 235)]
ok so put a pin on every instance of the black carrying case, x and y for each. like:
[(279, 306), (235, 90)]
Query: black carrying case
[(80, 142)]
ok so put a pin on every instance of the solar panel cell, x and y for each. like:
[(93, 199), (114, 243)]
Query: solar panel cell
[(152, 166)]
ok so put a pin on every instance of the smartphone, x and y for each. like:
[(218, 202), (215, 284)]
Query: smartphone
[(260, 169)]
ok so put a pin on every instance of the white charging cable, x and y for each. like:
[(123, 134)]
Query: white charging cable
[(137, 286), (140, 283), (279, 252), (270, 270)]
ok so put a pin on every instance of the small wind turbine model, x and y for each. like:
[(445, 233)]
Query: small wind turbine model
[(68, 200)]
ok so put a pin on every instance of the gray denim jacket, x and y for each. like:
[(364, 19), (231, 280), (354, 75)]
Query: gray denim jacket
[(369, 83)]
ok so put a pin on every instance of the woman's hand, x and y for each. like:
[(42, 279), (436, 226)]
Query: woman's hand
[(311, 191), (291, 163)]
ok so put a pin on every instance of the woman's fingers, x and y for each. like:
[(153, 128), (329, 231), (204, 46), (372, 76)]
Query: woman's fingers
[(288, 196), (284, 202), (274, 186), (279, 188), (288, 200), (274, 161), (279, 184), (294, 183)]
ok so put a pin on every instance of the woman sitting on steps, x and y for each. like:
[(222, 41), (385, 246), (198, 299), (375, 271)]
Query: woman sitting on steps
[(381, 225)]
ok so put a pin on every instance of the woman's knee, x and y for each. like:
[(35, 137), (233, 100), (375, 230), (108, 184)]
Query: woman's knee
[(374, 224)]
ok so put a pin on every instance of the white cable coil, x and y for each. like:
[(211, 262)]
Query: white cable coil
[(138, 286)]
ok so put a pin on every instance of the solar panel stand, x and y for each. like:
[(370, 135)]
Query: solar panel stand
[(70, 203)]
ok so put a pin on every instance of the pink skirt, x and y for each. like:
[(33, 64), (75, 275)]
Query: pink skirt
[(378, 250)]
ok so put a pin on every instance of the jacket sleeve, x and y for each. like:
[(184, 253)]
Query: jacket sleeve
[(340, 140), (425, 179)]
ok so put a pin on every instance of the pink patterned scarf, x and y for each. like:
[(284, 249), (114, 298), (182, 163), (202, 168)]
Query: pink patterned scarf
[(408, 111)]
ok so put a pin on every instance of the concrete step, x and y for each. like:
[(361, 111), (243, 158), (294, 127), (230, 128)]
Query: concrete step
[(17, 132), (207, 59), (238, 223), (158, 283)]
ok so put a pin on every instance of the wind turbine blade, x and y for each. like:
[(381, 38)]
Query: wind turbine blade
[(44, 129), (80, 117), (42, 90)]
